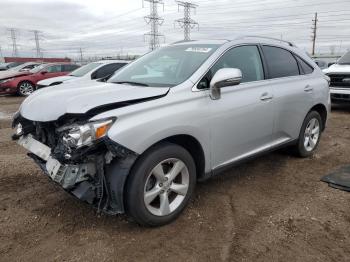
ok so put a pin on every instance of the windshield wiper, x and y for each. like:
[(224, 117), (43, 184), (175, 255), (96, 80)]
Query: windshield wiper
[(130, 83)]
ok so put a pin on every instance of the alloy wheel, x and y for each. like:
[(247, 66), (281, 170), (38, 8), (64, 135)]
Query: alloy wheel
[(166, 187), (311, 134), (26, 88)]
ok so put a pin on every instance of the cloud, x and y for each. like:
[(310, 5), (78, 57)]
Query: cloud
[(109, 26)]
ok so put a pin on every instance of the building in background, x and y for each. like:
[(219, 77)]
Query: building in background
[(33, 59)]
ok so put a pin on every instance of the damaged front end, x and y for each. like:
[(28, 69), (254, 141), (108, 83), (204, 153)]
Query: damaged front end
[(78, 155)]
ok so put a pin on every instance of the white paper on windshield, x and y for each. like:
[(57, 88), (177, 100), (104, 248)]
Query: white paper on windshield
[(198, 49)]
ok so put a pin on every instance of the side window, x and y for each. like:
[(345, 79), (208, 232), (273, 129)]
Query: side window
[(54, 69), (69, 68), (106, 70), (245, 58), (280, 62), (304, 67)]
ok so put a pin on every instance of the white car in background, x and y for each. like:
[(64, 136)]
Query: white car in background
[(339, 75), (92, 71)]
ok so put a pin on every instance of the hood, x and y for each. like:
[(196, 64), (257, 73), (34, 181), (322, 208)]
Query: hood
[(49, 104), (10, 74), (49, 81), (336, 68)]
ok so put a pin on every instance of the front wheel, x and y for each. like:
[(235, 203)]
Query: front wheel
[(160, 185), (310, 135), (25, 88)]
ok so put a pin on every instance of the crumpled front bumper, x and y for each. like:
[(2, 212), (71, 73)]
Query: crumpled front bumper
[(65, 175), (99, 180)]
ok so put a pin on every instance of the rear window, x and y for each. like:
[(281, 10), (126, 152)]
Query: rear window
[(280, 62)]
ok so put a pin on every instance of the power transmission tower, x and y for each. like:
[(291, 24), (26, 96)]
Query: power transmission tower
[(155, 21), (314, 34), (14, 41), (187, 23), (81, 54), (37, 44), (1, 53)]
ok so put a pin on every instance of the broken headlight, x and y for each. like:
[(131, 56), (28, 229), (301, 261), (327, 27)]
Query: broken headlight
[(84, 135)]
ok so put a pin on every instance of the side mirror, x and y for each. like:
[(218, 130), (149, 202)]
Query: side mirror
[(222, 78), (44, 72)]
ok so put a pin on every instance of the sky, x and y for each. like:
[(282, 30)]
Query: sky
[(110, 27)]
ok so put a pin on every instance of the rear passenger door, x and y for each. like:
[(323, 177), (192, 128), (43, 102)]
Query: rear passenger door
[(289, 77), (241, 121)]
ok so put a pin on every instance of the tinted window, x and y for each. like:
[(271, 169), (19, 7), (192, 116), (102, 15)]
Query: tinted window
[(106, 70), (54, 69), (280, 62), (245, 58), (69, 68), (304, 67)]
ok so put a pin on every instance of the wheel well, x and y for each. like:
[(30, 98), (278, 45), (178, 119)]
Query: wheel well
[(322, 110), (25, 81), (193, 147)]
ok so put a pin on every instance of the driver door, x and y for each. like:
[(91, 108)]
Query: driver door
[(241, 121)]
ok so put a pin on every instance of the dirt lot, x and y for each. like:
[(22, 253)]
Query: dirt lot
[(273, 208)]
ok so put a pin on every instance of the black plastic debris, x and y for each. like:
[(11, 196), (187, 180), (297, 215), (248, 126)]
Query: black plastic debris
[(340, 179)]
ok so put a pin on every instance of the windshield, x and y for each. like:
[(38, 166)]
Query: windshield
[(84, 69), (38, 68), (20, 67), (345, 59), (165, 67)]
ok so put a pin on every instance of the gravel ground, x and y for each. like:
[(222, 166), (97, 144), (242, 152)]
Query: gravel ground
[(273, 208)]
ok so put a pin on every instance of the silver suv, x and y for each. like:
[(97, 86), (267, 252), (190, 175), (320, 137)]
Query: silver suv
[(140, 142)]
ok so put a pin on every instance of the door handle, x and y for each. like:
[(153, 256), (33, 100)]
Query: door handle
[(308, 89), (266, 97)]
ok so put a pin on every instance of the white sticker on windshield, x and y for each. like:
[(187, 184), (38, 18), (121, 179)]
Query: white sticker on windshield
[(198, 49)]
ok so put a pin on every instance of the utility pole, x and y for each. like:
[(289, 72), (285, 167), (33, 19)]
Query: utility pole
[(37, 44), (314, 34), (155, 21), (81, 54), (14, 41), (186, 23)]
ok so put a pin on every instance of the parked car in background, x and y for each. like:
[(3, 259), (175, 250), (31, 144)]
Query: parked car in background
[(339, 75), (321, 64), (20, 68), (6, 66), (139, 142), (92, 71), (24, 83)]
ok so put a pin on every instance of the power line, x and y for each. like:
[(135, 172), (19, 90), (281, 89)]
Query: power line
[(39, 54), (186, 23), (314, 32), (81, 54), (154, 20), (14, 41)]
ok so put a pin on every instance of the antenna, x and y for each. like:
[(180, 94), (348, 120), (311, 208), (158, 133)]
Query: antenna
[(154, 20), (187, 23)]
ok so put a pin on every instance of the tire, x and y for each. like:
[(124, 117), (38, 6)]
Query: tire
[(147, 190), (25, 88), (310, 135)]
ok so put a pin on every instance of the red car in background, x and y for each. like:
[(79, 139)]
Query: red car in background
[(24, 83)]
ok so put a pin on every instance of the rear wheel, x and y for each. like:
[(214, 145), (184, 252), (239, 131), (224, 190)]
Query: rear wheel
[(160, 185), (310, 135), (25, 88)]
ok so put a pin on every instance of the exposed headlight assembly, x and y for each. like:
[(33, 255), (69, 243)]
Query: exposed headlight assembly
[(84, 135)]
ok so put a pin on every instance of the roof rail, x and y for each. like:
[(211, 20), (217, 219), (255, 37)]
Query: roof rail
[(269, 38)]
